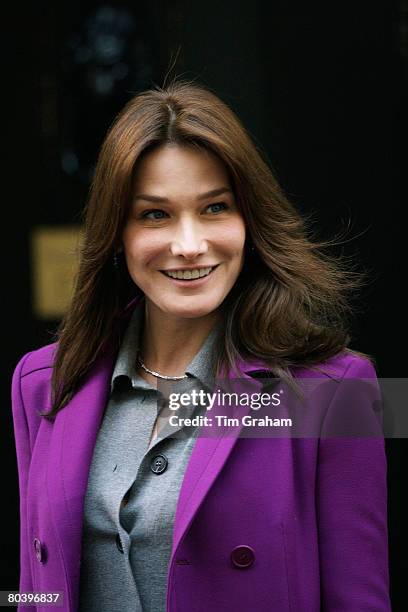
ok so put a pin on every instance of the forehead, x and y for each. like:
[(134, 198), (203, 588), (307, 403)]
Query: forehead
[(176, 167)]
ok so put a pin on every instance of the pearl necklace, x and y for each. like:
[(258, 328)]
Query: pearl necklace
[(156, 374)]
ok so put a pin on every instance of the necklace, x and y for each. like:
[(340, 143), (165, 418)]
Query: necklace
[(156, 374)]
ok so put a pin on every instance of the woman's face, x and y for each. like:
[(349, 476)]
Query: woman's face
[(183, 222)]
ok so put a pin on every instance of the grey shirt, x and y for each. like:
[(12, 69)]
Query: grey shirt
[(133, 487)]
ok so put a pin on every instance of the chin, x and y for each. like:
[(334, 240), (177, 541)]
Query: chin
[(193, 311)]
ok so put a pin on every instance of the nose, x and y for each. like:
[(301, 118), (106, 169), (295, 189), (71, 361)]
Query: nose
[(188, 241)]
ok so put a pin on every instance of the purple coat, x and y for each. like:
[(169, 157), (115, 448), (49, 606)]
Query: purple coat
[(310, 514)]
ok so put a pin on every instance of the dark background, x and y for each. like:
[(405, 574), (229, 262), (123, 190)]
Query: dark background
[(320, 89)]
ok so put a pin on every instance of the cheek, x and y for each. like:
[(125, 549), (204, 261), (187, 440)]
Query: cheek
[(233, 238), (141, 246)]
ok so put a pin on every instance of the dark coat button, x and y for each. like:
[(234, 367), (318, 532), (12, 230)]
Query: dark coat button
[(39, 551), (119, 544), (243, 556), (158, 464)]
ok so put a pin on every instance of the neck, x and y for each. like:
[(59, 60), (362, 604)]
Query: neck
[(169, 343)]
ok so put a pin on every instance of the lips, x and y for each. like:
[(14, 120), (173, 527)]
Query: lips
[(189, 275)]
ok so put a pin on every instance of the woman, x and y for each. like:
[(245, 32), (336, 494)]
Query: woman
[(194, 266)]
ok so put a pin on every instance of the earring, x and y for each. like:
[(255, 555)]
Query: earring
[(116, 256)]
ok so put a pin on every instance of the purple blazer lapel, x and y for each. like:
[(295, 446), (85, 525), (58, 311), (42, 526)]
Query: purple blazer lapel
[(69, 460), (70, 455), (206, 461)]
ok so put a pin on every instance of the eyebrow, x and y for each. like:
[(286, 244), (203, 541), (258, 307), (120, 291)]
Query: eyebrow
[(202, 196)]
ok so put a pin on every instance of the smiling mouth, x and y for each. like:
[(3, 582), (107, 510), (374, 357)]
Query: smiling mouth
[(189, 275)]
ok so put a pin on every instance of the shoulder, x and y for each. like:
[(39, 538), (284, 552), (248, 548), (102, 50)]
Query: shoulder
[(39, 359), (345, 364), (32, 377), (30, 393)]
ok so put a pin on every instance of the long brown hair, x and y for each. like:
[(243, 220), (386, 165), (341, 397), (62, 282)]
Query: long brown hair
[(289, 306)]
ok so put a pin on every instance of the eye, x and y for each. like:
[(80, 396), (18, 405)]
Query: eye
[(157, 214), (219, 207)]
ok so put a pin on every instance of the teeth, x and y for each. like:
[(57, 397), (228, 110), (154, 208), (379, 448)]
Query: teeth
[(189, 274)]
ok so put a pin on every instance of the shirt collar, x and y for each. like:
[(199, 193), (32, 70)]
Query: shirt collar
[(126, 359), (201, 366)]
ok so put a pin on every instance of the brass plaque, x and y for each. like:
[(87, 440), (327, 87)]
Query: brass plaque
[(55, 257)]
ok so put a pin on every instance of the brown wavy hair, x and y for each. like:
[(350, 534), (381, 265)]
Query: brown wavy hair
[(290, 305)]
